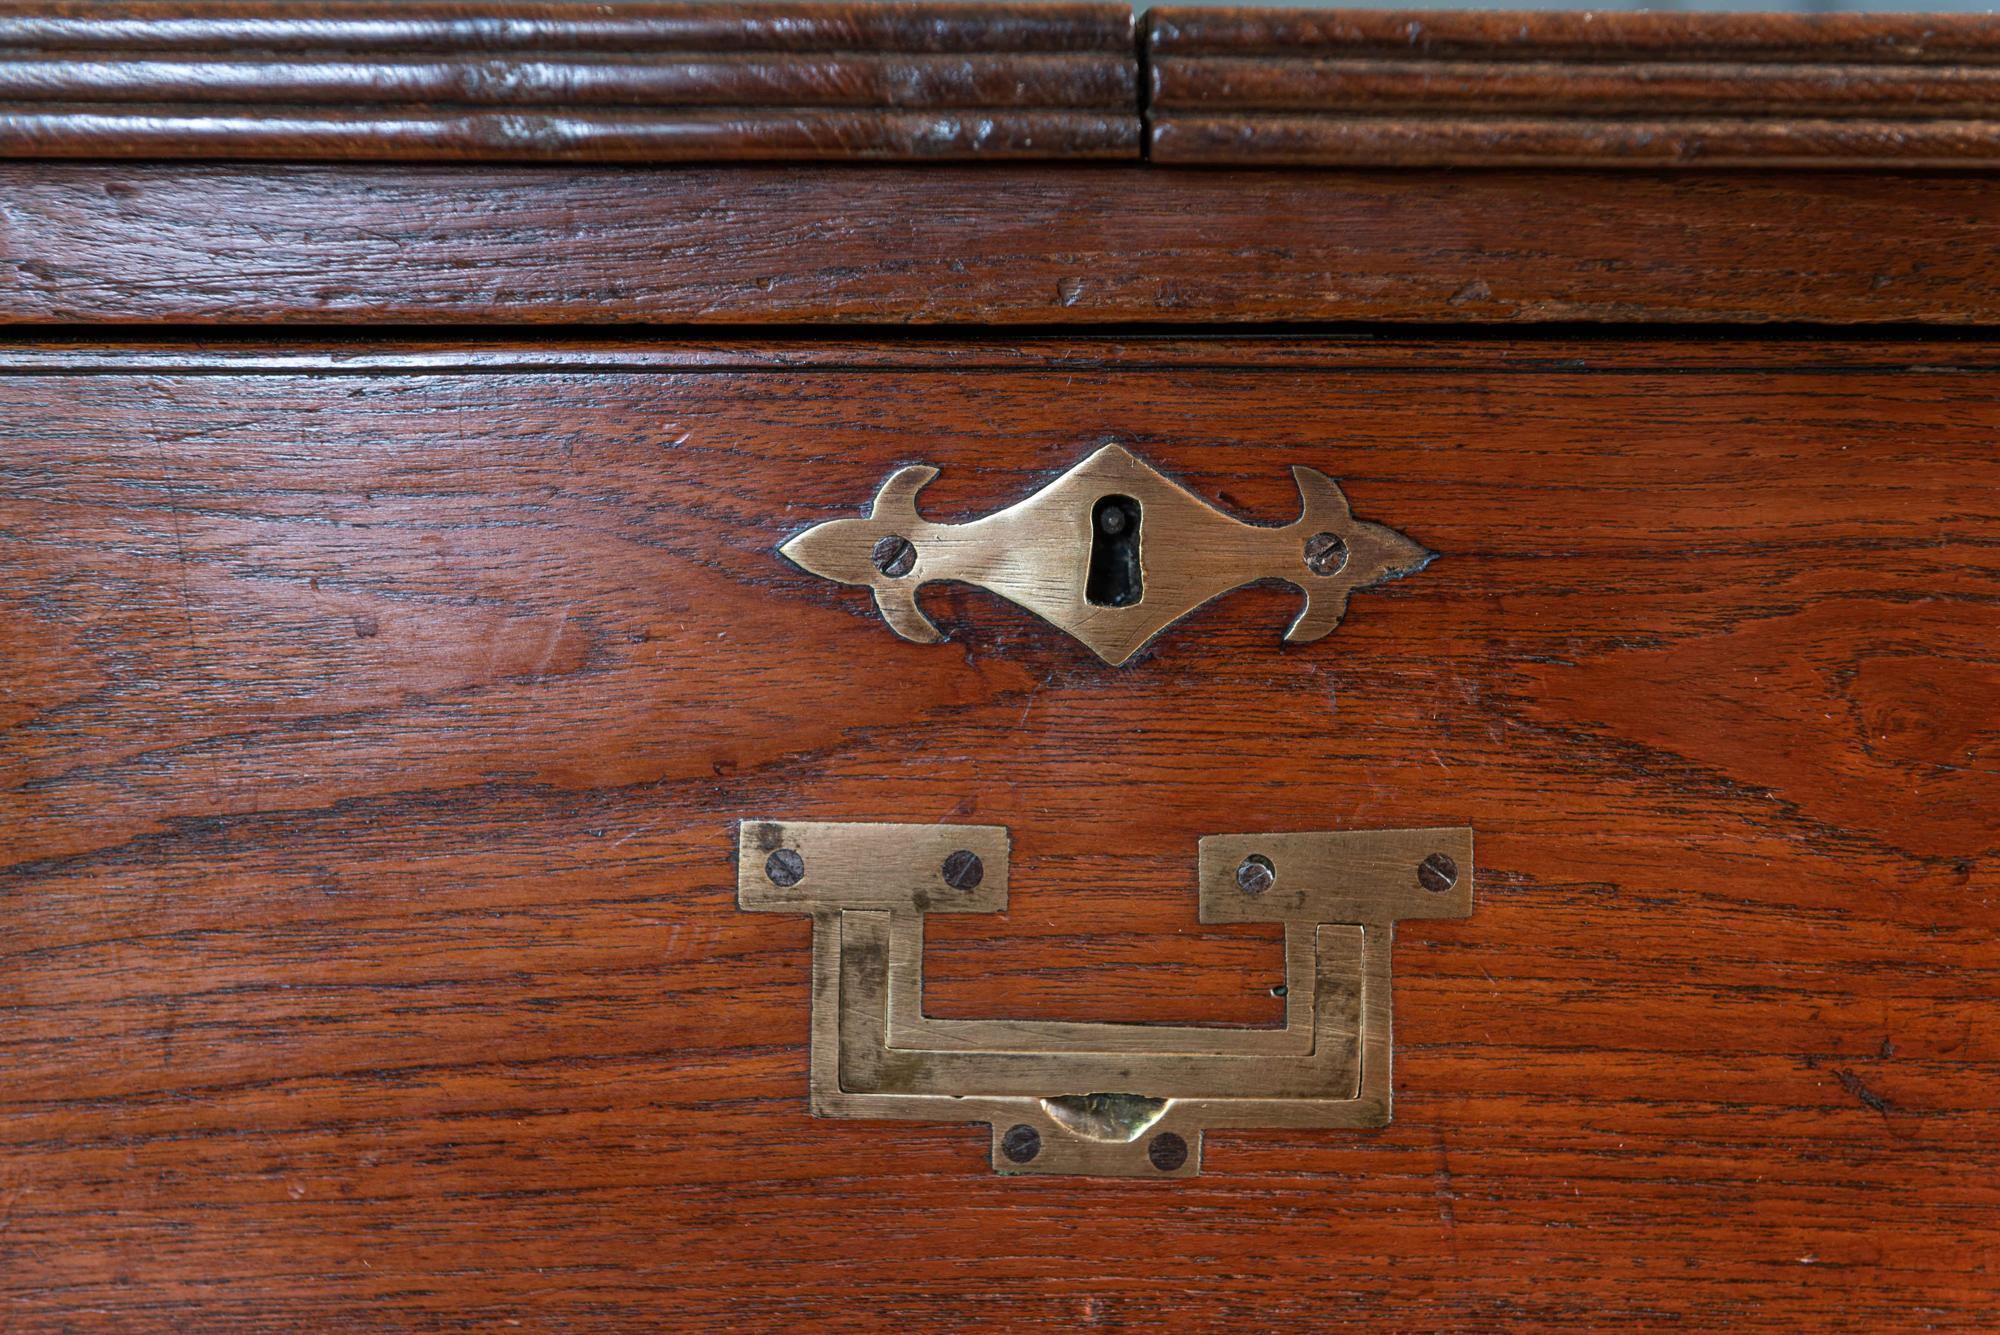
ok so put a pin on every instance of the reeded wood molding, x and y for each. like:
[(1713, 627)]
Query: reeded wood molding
[(568, 82), (133, 26), (1386, 89), (362, 80)]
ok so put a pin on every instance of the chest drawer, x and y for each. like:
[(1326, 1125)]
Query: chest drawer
[(380, 719)]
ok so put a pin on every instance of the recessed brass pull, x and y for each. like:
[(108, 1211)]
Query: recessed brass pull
[(1113, 552), (1123, 1100)]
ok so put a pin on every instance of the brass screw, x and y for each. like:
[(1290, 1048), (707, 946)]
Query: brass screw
[(895, 556), (1437, 873), (1326, 553), (785, 867), (1021, 1143), (1167, 1151), (963, 870), (1255, 874)]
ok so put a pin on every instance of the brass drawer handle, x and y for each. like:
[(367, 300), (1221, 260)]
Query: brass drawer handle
[(1121, 1100), (1113, 552)]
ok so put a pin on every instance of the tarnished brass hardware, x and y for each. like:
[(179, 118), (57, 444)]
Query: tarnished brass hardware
[(1112, 552), (1120, 1100)]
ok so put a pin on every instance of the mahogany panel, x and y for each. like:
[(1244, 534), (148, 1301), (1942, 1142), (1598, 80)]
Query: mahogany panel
[(374, 736), (1063, 244)]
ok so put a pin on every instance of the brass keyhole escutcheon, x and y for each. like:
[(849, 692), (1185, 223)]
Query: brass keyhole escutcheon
[(1113, 552)]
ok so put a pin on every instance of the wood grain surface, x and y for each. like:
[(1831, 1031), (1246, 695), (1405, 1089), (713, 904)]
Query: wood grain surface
[(375, 732), (141, 27), (659, 83), (1487, 89), (567, 82), (1061, 244), (1881, 38)]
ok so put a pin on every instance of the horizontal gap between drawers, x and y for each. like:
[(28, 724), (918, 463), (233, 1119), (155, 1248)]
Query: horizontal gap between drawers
[(1436, 350)]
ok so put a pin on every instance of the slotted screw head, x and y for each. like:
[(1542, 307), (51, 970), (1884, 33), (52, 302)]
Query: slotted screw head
[(1437, 873), (1326, 553), (963, 870), (894, 556)]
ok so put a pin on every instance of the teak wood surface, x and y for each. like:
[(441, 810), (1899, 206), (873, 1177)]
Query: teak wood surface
[(521, 80), (1063, 244), (642, 81), (392, 634), (1344, 87), (377, 719)]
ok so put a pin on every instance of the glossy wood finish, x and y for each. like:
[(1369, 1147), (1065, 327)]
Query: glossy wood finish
[(749, 134), (137, 27), (375, 716), (1492, 89), (376, 729), (1102, 81), (567, 82), (998, 245), (663, 83), (1887, 38)]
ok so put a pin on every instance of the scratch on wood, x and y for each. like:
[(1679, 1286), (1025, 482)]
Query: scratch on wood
[(1853, 1085)]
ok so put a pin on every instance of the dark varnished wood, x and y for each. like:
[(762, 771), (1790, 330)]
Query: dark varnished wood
[(1366, 86), (568, 82), (745, 134), (375, 729), (1178, 30), (306, 244), (1486, 89), (139, 27), (662, 83), (1598, 141), (1415, 351), (1100, 81)]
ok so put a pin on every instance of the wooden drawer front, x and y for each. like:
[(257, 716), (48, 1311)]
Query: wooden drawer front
[(377, 725)]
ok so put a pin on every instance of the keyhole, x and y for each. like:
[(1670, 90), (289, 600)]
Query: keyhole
[(1114, 579)]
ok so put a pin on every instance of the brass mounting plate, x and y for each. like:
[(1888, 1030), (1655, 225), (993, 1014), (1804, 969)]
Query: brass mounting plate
[(1122, 1100), (1041, 553)]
